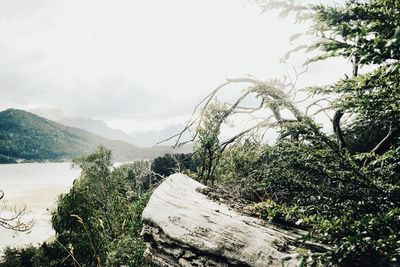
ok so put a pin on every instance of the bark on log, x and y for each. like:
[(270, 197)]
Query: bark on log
[(183, 227)]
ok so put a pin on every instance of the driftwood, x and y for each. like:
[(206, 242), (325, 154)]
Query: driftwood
[(183, 227)]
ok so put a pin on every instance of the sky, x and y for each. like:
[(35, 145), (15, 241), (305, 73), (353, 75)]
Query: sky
[(140, 64)]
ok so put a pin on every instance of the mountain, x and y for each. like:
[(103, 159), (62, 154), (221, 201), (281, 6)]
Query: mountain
[(150, 138), (53, 114), (91, 125), (99, 127), (137, 138), (144, 139), (28, 137)]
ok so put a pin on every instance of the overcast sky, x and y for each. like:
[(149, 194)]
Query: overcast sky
[(139, 64)]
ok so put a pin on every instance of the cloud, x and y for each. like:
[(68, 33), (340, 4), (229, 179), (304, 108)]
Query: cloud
[(144, 60), (111, 98)]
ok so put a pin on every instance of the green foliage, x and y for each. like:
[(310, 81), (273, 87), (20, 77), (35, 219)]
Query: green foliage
[(171, 163), (371, 100), (309, 185), (31, 256), (139, 176), (238, 168), (365, 30), (207, 146), (98, 221), (18, 258), (345, 196)]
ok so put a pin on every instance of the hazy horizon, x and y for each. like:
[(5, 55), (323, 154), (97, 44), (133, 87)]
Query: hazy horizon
[(140, 65)]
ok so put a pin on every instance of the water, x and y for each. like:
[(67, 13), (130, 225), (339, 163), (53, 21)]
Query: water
[(37, 186)]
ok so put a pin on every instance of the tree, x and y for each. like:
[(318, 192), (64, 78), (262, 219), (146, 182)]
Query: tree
[(367, 33), (342, 187), (98, 221), (170, 163), (11, 218)]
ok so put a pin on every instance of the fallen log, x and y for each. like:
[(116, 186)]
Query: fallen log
[(183, 227)]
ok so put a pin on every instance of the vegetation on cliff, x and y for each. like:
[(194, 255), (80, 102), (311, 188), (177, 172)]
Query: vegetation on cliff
[(342, 186)]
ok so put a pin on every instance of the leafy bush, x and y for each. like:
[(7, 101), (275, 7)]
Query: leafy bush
[(98, 221), (170, 163), (343, 187)]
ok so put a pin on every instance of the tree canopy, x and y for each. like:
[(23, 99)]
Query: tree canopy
[(343, 186)]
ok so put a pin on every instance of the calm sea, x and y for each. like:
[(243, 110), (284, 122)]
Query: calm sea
[(37, 186)]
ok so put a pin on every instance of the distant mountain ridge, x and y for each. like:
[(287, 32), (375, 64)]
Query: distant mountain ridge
[(99, 127), (150, 138), (28, 137)]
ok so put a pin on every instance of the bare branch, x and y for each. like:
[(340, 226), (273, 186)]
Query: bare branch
[(11, 217), (179, 135), (322, 109), (263, 124), (274, 98), (316, 102), (384, 141), (206, 100)]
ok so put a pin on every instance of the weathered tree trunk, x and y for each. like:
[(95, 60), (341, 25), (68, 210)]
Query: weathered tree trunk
[(183, 227)]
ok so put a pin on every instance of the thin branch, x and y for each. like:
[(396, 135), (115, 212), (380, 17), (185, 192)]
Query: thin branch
[(13, 221), (191, 122), (336, 128), (234, 138), (179, 135), (384, 141), (322, 109), (76, 263), (315, 103)]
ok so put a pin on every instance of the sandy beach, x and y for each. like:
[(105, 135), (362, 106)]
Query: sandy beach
[(36, 185)]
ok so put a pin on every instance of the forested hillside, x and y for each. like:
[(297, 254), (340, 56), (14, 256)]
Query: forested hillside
[(28, 137)]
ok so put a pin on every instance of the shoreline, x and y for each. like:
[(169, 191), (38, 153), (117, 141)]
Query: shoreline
[(37, 186)]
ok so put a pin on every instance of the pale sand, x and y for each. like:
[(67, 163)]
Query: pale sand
[(36, 185), (39, 203)]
